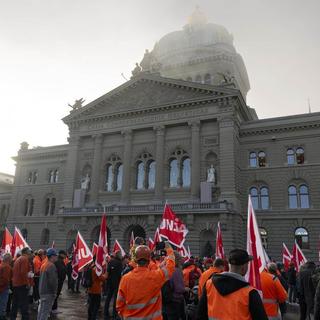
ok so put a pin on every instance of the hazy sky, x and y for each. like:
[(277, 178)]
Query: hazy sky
[(55, 51)]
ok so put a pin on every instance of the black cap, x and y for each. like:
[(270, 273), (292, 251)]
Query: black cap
[(239, 257)]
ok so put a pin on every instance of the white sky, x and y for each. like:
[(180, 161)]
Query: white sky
[(55, 51)]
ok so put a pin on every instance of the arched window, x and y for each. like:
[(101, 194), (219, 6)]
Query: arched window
[(47, 208), (151, 174), (302, 237), (198, 79), (260, 198), (45, 237), (32, 177), (295, 156), (254, 197), (262, 159), (293, 197), (53, 206), (140, 175), (174, 172), (50, 206), (186, 173), (119, 177), (253, 160), (290, 156), (113, 174), (28, 206), (304, 196), (264, 237), (300, 155), (207, 78)]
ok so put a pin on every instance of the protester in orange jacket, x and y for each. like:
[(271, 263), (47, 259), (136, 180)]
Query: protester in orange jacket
[(139, 294), (216, 267), (191, 273), (273, 293)]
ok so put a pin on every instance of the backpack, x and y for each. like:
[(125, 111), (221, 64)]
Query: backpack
[(87, 281)]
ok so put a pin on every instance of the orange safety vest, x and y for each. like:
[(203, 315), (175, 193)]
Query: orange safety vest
[(204, 277), (234, 306), (272, 292)]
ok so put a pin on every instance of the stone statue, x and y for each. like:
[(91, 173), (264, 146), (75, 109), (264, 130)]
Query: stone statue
[(149, 62), (136, 70), (227, 78), (85, 182), (211, 175), (77, 104)]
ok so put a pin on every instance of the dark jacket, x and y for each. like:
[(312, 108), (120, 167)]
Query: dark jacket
[(317, 303), (306, 289), (61, 270), (114, 270), (227, 283), (292, 276)]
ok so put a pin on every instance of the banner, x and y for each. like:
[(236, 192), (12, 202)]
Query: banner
[(298, 257), (184, 253), (219, 244), (255, 249), (172, 228), (102, 251), (18, 242), (286, 257), (75, 263), (117, 247), (6, 242), (94, 249), (151, 244)]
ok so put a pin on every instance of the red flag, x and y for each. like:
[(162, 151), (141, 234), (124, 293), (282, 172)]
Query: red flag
[(18, 242), (94, 249), (82, 256), (255, 249), (219, 244), (157, 237), (286, 257), (183, 252), (6, 242), (132, 242), (102, 251), (117, 247), (298, 257), (172, 228), (151, 244)]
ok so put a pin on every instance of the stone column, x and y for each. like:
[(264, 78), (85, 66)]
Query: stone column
[(195, 159), (158, 192), (95, 182), (126, 178), (70, 171)]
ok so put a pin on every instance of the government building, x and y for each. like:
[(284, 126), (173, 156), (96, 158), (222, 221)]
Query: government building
[(178, 131)]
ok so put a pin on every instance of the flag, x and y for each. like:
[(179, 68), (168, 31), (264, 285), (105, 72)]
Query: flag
[(172, 228), (94, 249), (102, 251), (189, 252), (6, 242), (157, 237), (255, 249), (82, 256), (132, 242), (298, 257), (18, 242), (117, 247), (219, 244), (183, 252), (151, 244), (286, 257)]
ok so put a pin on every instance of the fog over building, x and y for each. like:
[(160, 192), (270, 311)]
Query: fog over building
[(179, 131)]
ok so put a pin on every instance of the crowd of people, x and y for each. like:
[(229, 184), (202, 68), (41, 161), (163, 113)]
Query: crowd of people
[(157, 284)]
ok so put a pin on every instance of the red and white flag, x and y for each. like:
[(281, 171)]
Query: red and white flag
[(183, 252), (102, 251), (172, 228), (6, 242), (82, 256), (151, 244), (286, 257), (117, 247), (298, 257), (255, 249), (18, 242), (94, 249), (132, 242), (157, 237), (219, 244)]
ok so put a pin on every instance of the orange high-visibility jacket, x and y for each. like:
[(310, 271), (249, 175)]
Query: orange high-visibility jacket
[(37, 263), (273, 293), (139, 294), (186, 273), (205, 276), (234, 306)]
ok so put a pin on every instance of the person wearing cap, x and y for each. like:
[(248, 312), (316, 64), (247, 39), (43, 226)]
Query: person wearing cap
[(191, 273), (48, 285), (216, 267), (139, 294), (228, 296)]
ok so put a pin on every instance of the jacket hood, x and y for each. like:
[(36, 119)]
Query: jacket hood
[(228, 282)]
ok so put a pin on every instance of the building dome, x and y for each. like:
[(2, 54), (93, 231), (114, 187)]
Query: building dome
[(200, 52)]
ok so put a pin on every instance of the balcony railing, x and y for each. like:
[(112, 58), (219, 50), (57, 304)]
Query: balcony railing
[(155, 208)]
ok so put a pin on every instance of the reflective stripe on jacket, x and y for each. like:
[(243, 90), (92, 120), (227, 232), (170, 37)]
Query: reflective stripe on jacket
[(234, 306), (139, 295)]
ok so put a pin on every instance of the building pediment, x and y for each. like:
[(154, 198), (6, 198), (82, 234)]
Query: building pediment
[(145, 93)]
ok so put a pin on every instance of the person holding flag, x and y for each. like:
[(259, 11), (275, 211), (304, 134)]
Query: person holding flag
[(228, 296)]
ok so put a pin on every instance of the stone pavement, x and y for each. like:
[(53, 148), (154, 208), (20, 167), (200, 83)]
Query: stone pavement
[(73, 307)]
